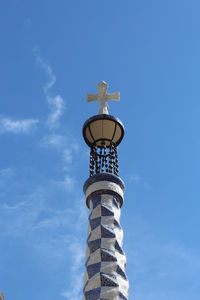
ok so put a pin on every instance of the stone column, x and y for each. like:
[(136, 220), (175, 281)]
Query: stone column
[(105, 276)]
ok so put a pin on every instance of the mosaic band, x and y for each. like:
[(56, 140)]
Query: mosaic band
[(105, 276)]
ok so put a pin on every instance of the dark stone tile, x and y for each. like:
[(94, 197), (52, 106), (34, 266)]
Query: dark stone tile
[(95, 222), (108, 280), (94, 245), (107, 255), (106, 211), (121, 273), (116, 224), (96, 200), (116, 202), (122, 297), (93, 294), (118, 248), (107, 232), (93, 269)]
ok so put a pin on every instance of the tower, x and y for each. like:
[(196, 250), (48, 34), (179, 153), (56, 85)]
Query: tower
[(105, 275)]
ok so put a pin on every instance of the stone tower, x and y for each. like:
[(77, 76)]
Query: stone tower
[(105, 276)]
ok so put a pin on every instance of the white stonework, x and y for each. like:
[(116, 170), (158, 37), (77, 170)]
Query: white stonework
[(105, 277), (104, 185), (103, 97)]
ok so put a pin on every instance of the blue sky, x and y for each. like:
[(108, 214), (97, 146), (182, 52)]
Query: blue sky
[(52, 53)]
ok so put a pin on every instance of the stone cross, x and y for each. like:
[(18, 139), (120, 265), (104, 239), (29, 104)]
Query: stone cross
[(103, 97)]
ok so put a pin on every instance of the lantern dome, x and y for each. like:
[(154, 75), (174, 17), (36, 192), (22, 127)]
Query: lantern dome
[(103, 130)]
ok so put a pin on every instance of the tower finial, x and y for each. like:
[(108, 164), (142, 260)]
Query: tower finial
[(105, 274), (103, 97)]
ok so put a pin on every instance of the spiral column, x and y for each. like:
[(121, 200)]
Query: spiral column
[(105, 275)]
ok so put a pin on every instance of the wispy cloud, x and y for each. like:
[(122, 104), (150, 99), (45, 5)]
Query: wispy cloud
[(8, 125), (69, 182), (6, 173), (138, 180), (56, 103), (78, 254), (66, 146), (35, 212), (57, 106), (55, 141), (37, 217), (53, 231), (69, 152), (67, 155), (134, 178)]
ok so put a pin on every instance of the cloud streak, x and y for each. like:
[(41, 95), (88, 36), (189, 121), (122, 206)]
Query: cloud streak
[(36, 212), (57, 107), (66, 146), (6, 173), (56, 103), (78, 255), (8, 125), (69, 182), (137, 180), (57, 141), (52, 231)]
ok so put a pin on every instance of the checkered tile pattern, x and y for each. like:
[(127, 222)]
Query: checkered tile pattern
[(105, 277)]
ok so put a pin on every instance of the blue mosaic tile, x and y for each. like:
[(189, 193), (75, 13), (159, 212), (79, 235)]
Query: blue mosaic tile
[(96, 200), (116, 224), (93, 294), (122, 297), (93, 269), (108, 280), (121, 272), (107, 255), (95, 223), (107, 232), (118, 248), (115, 202), (106, 211), (94, 245)]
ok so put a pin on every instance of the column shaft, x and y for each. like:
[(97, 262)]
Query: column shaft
[(105, 276)]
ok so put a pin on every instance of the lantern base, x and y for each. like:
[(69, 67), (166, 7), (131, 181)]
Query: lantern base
[(104, 184)]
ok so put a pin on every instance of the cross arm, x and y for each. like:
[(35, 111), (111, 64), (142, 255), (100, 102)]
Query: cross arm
[(92, 97), (113, 96)]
